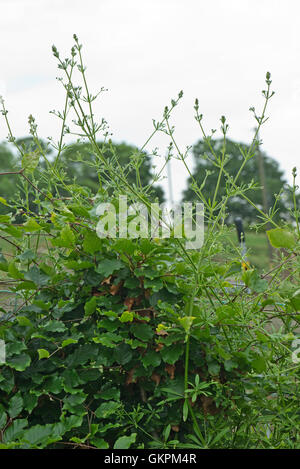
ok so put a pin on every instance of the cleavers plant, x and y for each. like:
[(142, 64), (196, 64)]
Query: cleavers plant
[(140, 343)]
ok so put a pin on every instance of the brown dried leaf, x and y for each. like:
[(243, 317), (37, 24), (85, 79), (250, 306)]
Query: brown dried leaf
[(99, 293), (161, 332), (106, 281), (115, 288), (130, 379), (156, 378), (159, 347), (170, 369), (138, 300), (209, 406), (129, 303)]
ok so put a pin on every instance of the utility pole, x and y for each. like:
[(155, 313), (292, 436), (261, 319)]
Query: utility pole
[(264, 191), (171, 199)]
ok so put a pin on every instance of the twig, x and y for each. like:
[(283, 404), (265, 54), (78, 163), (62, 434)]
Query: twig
[(76, 444), (10, 242), (12, 172), (36, 188), (280, 265)]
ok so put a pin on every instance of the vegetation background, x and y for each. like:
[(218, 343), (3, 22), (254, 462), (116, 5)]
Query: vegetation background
[(141, 343)]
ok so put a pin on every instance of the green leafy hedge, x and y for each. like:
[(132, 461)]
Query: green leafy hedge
[(141, 343), (97, 356)]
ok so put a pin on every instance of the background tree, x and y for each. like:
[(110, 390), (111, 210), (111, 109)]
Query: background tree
[(8, 162), (76, 161), (237, 206)]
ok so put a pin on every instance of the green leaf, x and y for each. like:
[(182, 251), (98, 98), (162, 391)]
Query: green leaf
[(213, 367), (23, 321), (71, 379), (43, 353), (15, 430), (152, 358), (131, 283), (3, 263), (281, 238), (30, 161), (14, 272), (79, 210), (295, 300), (145, 245), (126, 246), (106, 409), (259, 364), (42, 435), (14, 231), (67, 342), (229, 365), (42, 305), (67, 236), (110, 393), (124, 442), (19, 363), (78, 265), (27, 255), (5, 219), (100, 443), (172, 353), (82, 354), (155, 284), (47, 269), (15, 406), (36, 276), (108, 266), (30, 401), (14, 348), (7, 381), (257, 284), (166, 432), (185, 410), (219, 436), (72, 402), (142, 331), (91, 242), (66, 239), (262, 337), (186, 322), (90, 306), (53, 384), (31, 225), (108, 324), (54, 326), (123, 354), (3, 201), (25, 286), (147, 272), (127, 316), (3, 419)]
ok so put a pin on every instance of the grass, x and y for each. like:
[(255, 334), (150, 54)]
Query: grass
[(258, 253), (257, 246)]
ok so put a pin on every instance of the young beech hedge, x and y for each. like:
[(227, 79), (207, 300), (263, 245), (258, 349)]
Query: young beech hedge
[(96, 357)]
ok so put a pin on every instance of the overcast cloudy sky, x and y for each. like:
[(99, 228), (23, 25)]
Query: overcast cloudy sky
[(144, 52)]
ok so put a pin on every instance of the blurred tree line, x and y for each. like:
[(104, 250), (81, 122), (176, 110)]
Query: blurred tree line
[(206, 173), (75, 160)]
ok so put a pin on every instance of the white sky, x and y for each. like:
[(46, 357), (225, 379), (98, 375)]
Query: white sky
[(145, 52)]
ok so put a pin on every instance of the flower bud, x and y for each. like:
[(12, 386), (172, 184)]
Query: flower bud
[(55, 51)]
